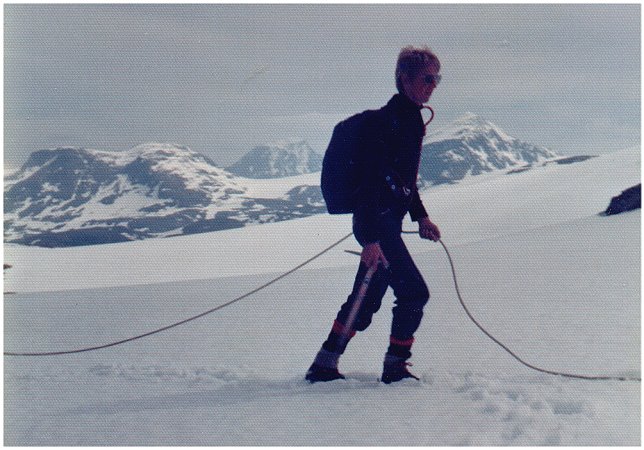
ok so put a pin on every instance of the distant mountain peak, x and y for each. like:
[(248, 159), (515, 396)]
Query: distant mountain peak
[(472, 145), (280, 159), (469, 124), (154, 145), (470, 117), (160, 148)]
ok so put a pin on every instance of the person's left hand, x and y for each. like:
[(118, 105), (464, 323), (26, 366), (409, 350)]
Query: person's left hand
[(428, 230)]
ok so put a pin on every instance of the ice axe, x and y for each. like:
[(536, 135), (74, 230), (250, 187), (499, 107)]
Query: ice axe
[(362, 291)]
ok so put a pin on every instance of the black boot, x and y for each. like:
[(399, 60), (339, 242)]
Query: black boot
[(395, 369), (318, 373), (324, 368)]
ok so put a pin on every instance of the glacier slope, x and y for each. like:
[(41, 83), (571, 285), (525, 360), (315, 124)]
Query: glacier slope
[(556, 282)]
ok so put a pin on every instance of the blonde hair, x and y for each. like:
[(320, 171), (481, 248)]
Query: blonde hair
[(411, 60)]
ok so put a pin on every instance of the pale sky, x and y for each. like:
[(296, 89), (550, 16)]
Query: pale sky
[(222, 79)]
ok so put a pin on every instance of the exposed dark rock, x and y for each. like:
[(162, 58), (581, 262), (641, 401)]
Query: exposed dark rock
[(628, 200)]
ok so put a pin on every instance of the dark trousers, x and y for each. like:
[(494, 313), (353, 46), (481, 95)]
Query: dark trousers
[(407, 283)]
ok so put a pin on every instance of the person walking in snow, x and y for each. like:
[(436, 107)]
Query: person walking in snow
[(388, 192)]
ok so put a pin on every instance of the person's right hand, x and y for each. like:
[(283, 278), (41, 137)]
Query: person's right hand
[(372, 256)]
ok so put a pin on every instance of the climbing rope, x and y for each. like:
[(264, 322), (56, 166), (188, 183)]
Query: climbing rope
[(298, 267), (190, 319), (514, 355)]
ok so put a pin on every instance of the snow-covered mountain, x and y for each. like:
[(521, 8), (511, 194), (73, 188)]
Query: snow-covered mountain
[(279, 160), (76, 196), (471, 146)]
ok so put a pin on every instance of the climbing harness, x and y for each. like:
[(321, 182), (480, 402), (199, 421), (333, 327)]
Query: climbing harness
[(364, 287)]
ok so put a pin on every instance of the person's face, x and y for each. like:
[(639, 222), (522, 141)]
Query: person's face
[(420, 89)]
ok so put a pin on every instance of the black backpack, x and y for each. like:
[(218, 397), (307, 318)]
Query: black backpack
[(340, 181)]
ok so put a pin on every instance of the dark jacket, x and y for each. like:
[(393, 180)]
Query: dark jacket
[(390, 167)]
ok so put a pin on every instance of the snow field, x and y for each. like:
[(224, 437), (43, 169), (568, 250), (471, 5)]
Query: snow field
[(560, 286)]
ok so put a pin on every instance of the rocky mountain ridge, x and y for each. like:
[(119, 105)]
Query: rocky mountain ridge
[(76, 196)]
